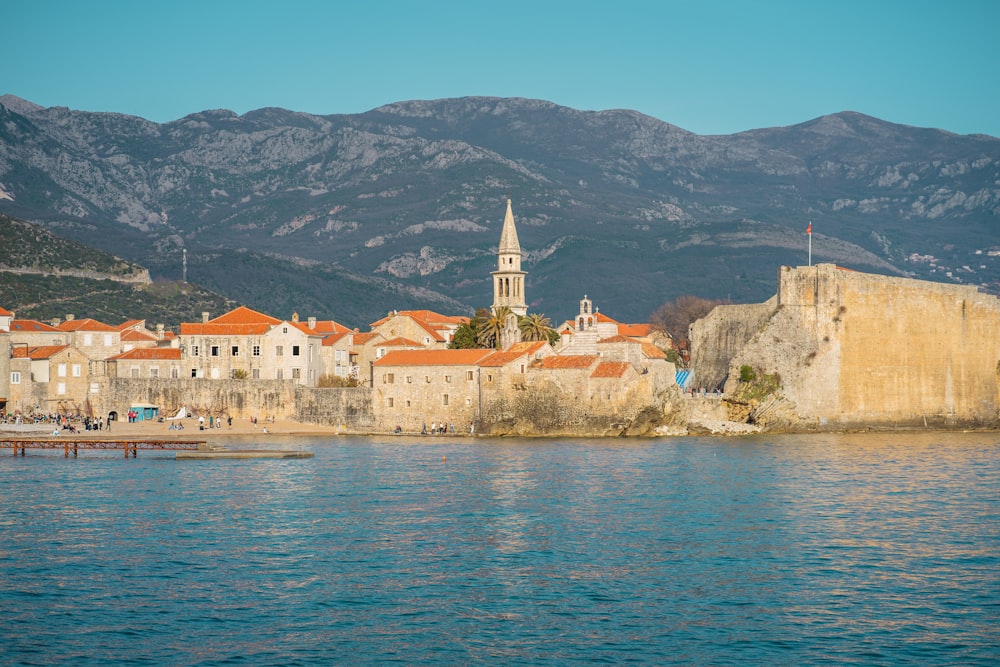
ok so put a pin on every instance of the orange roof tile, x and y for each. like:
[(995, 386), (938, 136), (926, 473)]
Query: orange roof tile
[(653, 352), (213, 329), (244, 315), (367, 337), (332, 339), (40, 352), (399, 341), (611, 369), (329, 327), (567, 361), (634, 330), (131, 324), (515, 351), (135, 335), (164, 353), (5, 313), (33, 326), (432, 357), (601, 317), (85, 324)]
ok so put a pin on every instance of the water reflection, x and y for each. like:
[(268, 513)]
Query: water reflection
[(845, 549)]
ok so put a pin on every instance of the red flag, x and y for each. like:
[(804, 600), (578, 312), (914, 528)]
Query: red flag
[(809, 229)]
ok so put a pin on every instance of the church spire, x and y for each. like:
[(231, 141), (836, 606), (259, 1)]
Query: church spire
[(508, 279), (508, 237)]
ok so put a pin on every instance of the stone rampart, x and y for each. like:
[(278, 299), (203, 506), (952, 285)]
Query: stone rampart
[(716, 338), (241, 399), (852, 350)]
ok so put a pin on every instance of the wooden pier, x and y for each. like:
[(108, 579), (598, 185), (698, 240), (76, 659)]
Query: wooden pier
[(131, 447)]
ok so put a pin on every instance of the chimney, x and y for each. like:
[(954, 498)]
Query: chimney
[(295, 317), (312, 322), (70, 317), (159, 331), (204, 316), (55, 321)]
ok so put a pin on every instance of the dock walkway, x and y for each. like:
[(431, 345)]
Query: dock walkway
[(130, 446)]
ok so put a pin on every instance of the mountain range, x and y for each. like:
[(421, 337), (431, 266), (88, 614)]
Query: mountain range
[(348, 216)]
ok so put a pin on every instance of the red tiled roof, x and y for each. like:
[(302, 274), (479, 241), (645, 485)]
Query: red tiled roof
[(653, 352), (601, 317), (329, 327), (332, 339), (515, 351), (399, 341), (85, 324), (634, 330), (40, 352), (432, 357), (363, 338), (214, 329), (567, 361), (5, 313), (244, 315), (164, 353), (131, 324), (33, 325), (611, 369), (136, 335)]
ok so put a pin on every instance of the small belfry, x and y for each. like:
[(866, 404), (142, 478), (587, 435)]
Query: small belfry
[(508, 279)]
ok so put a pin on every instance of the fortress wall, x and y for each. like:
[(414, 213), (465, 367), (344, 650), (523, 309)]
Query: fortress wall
[(242, 399), (855, 348), (720, 335)]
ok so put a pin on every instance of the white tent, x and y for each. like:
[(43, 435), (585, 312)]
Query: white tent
[(181, 414)]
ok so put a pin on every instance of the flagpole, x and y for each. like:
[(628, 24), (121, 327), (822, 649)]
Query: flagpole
[(809, 231)]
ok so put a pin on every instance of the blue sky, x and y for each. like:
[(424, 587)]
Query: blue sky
[(712, 67)]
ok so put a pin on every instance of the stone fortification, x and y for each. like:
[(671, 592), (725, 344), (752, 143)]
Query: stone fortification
[(720, 335), (241, 399), (850, 349)]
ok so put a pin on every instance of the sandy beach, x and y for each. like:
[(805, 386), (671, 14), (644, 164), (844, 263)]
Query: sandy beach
[(161, 430)]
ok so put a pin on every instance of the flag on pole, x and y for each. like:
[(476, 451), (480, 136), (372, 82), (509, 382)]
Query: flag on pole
[(809, 229)]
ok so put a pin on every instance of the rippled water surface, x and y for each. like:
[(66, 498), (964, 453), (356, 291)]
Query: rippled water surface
[(850, 549)]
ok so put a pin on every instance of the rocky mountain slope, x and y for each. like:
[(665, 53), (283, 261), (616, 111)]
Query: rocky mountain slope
[(349, 216)]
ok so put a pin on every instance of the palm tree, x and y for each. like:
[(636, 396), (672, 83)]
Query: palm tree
[(490, 327), (535, 326)]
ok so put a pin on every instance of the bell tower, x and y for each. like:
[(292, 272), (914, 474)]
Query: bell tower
[(508, 279)]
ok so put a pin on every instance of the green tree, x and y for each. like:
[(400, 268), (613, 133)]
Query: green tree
[(464, 338), (489, 330), (535, 326)]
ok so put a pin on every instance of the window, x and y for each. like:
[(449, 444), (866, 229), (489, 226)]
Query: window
[(468, 375), (256, 350), (444, 400), (284, 329), (522, 368), (279, 350), (215, 350), (94, 388), (154, 372), (236, 350), (61, 370), (447, 378), (175, 373), (427, 379), (194, 372), (88, 339), (388, 402), (295, 350), (409, 379), (109, 340), (280, 375), (389, 378), (215, 373), (255, 374), (338, 355), (76, 370), (489, 377), (61, 388), (379, 353), (407, 404), (194, 350), (15, 377), (296, 373)]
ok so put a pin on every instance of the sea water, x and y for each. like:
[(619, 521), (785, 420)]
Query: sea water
[(826, 549)]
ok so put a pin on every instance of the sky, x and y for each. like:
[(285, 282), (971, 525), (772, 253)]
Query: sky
[(708, 66)]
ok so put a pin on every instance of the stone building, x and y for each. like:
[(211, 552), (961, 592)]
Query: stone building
[(49, 379), (508, 279)]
